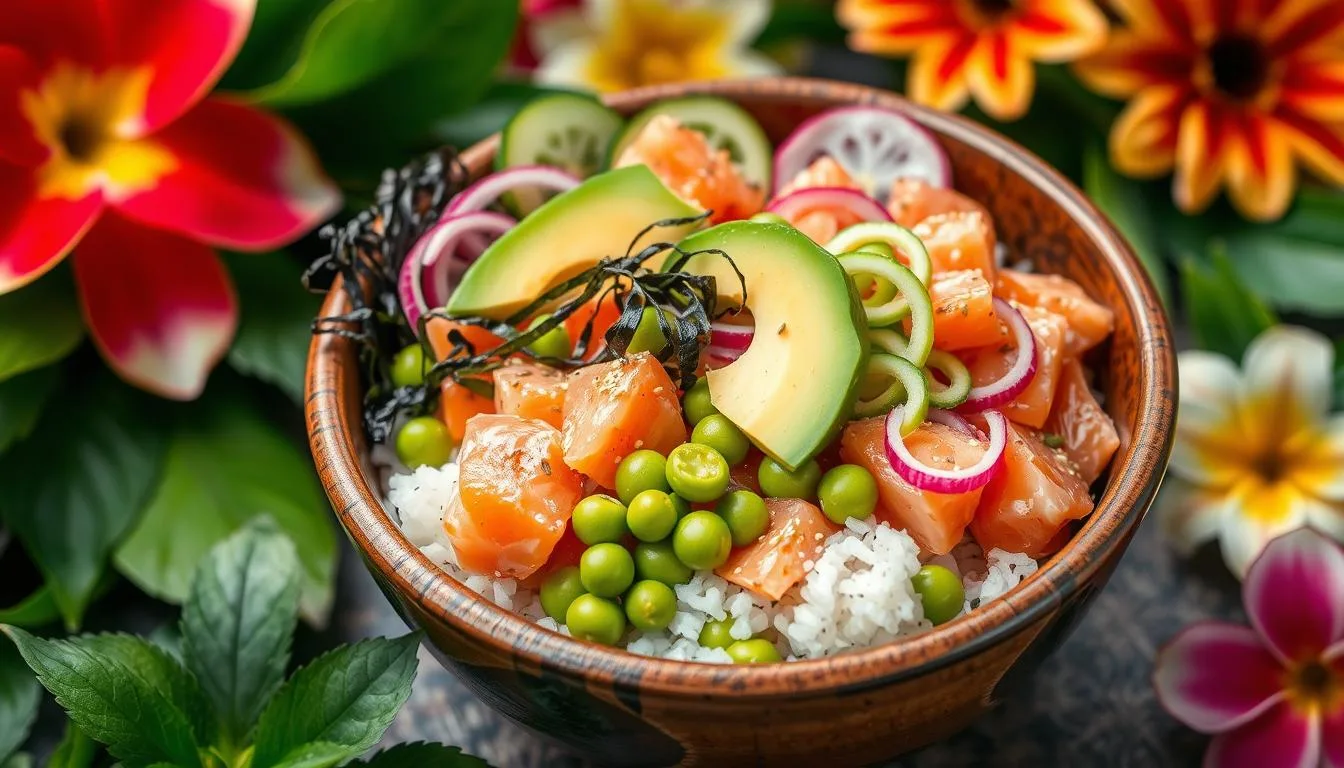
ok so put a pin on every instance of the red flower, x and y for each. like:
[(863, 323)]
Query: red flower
[(109, 146)]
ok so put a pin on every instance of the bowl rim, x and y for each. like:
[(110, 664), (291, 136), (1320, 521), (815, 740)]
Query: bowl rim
[(333, 397)]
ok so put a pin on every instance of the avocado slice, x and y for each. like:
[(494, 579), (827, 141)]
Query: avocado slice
[(567, 235), (794, 388)]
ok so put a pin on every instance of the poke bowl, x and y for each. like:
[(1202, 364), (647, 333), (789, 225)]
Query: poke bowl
[(739, 422)]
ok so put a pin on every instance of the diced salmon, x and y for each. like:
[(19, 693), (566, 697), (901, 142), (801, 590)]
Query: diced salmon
[(936, 521), (1088, 433), (515, 496), (457, 404), (987, 364), (603, 310), (1033, 496), (821, 223), (695, 171), (914, 200), (823, 172), (567, 552), (963, 311), (772, 564), (615, 408), (531, 391), (1089, 323), (439, 330), (959, 240)]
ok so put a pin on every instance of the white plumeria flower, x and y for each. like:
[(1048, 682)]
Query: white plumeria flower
[(1257, 452), (628, 43)]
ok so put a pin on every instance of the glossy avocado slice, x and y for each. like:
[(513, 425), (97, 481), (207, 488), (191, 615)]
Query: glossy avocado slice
[(567, 235), (793, 390)]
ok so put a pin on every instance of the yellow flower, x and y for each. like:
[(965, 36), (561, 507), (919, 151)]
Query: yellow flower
[(1257, 453), (624, 44)]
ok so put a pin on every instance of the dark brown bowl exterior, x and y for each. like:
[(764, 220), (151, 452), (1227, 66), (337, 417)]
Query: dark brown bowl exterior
[(619, 709)]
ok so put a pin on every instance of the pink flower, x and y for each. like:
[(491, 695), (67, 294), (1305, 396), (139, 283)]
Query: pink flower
[(525, 54), (110, 146), (1273, 693)]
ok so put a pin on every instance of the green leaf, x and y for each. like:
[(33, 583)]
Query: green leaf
[(18, 760), (19, 696), (321, 754), (35, 610), (1223, 314), (276, 316), (39, 324), (75, 750), (238, 622), (74, 487), (1123, 200), (490, 114), (21, 400), (418, 754), (161, 670), (226, 466), (105, 695), (273, 43), (347, 697)]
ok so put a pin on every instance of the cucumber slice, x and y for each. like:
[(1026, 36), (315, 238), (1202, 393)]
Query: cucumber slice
[(724, 124), (568, 131)]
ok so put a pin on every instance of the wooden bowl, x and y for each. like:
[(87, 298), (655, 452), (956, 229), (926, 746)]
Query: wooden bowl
[(616, 708)]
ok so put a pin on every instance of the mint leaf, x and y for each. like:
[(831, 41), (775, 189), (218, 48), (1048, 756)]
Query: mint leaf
[(237, 624), (276, 317), (75, 750), (1124, 201), (110, 701), (347, 697), (75, 487), (35, 610), (320, 754), (1224, 315), (19, 697), (226, 465), (161, 671), (39, 324), (419, 754), (21, 401)]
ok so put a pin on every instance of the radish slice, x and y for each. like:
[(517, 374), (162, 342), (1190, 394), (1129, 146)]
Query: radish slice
[(726, 354), (729, 336), (439, 258), (926, 478), (796, 204), (876, 146), (489, 189), (1016, 378)]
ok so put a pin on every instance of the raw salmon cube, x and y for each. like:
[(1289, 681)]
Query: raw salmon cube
[(699, 174), (531, 391), (1089, 323), (823, 172), (963, 311), (772, 564), (959, 240), (914, 200), (987, 364), (1088, 434)]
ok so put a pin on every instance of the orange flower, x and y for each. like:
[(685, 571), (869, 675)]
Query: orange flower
[(984, 48), (1228, 93)]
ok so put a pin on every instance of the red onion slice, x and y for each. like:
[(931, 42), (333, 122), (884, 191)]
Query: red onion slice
[(729, 336), (926, 478), (1016, 378), (876, 146), (951, 419), (439, 258), (796, 204), (489, 189), (727, 354)]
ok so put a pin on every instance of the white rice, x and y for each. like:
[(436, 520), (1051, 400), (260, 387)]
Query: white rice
[(856, 594)]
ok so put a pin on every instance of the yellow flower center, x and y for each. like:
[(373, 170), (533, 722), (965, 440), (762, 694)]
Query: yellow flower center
[(81, 116), (650, 42), (1314, 688)]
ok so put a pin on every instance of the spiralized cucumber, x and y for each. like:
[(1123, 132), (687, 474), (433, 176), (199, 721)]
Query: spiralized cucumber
[(895, 239), (911, 298), (569, 131), (724, 124), (908, 385), (957, 389)]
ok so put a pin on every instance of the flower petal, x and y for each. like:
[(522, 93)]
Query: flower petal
[(35, 234), (244, 180), (1295, 27), (1318, 463), (1258, 512), (1194, 679), (1130, 63), (1202, 145), (1320, 145), (1000, 76), (746, 19), (1294, 365), (1332, 735), (1314, 88), (937, 74), (1261, 175), (160, 307), (570, 64), (81, 39), (1168, 19), (18, 140), (1190, 515), (1058, 30), (1294, 595), (1282, 737), (1144, 138), (1207, 419), (881, 28), (187, 45)]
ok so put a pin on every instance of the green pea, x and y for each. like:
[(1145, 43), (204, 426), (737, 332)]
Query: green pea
[(696, 402), (717, 432), (424, 441), (658, 561), (606, 569), (754, 651), (599, 518), (697, 472), (553, 343), (847, 491), (746, 516), (650, 605), (715, 634), (941, 592), (648, 337), (651, 516), (641, 471), (702, 541), (408, 367), (596, 620), (559, 590), (778, 482)]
